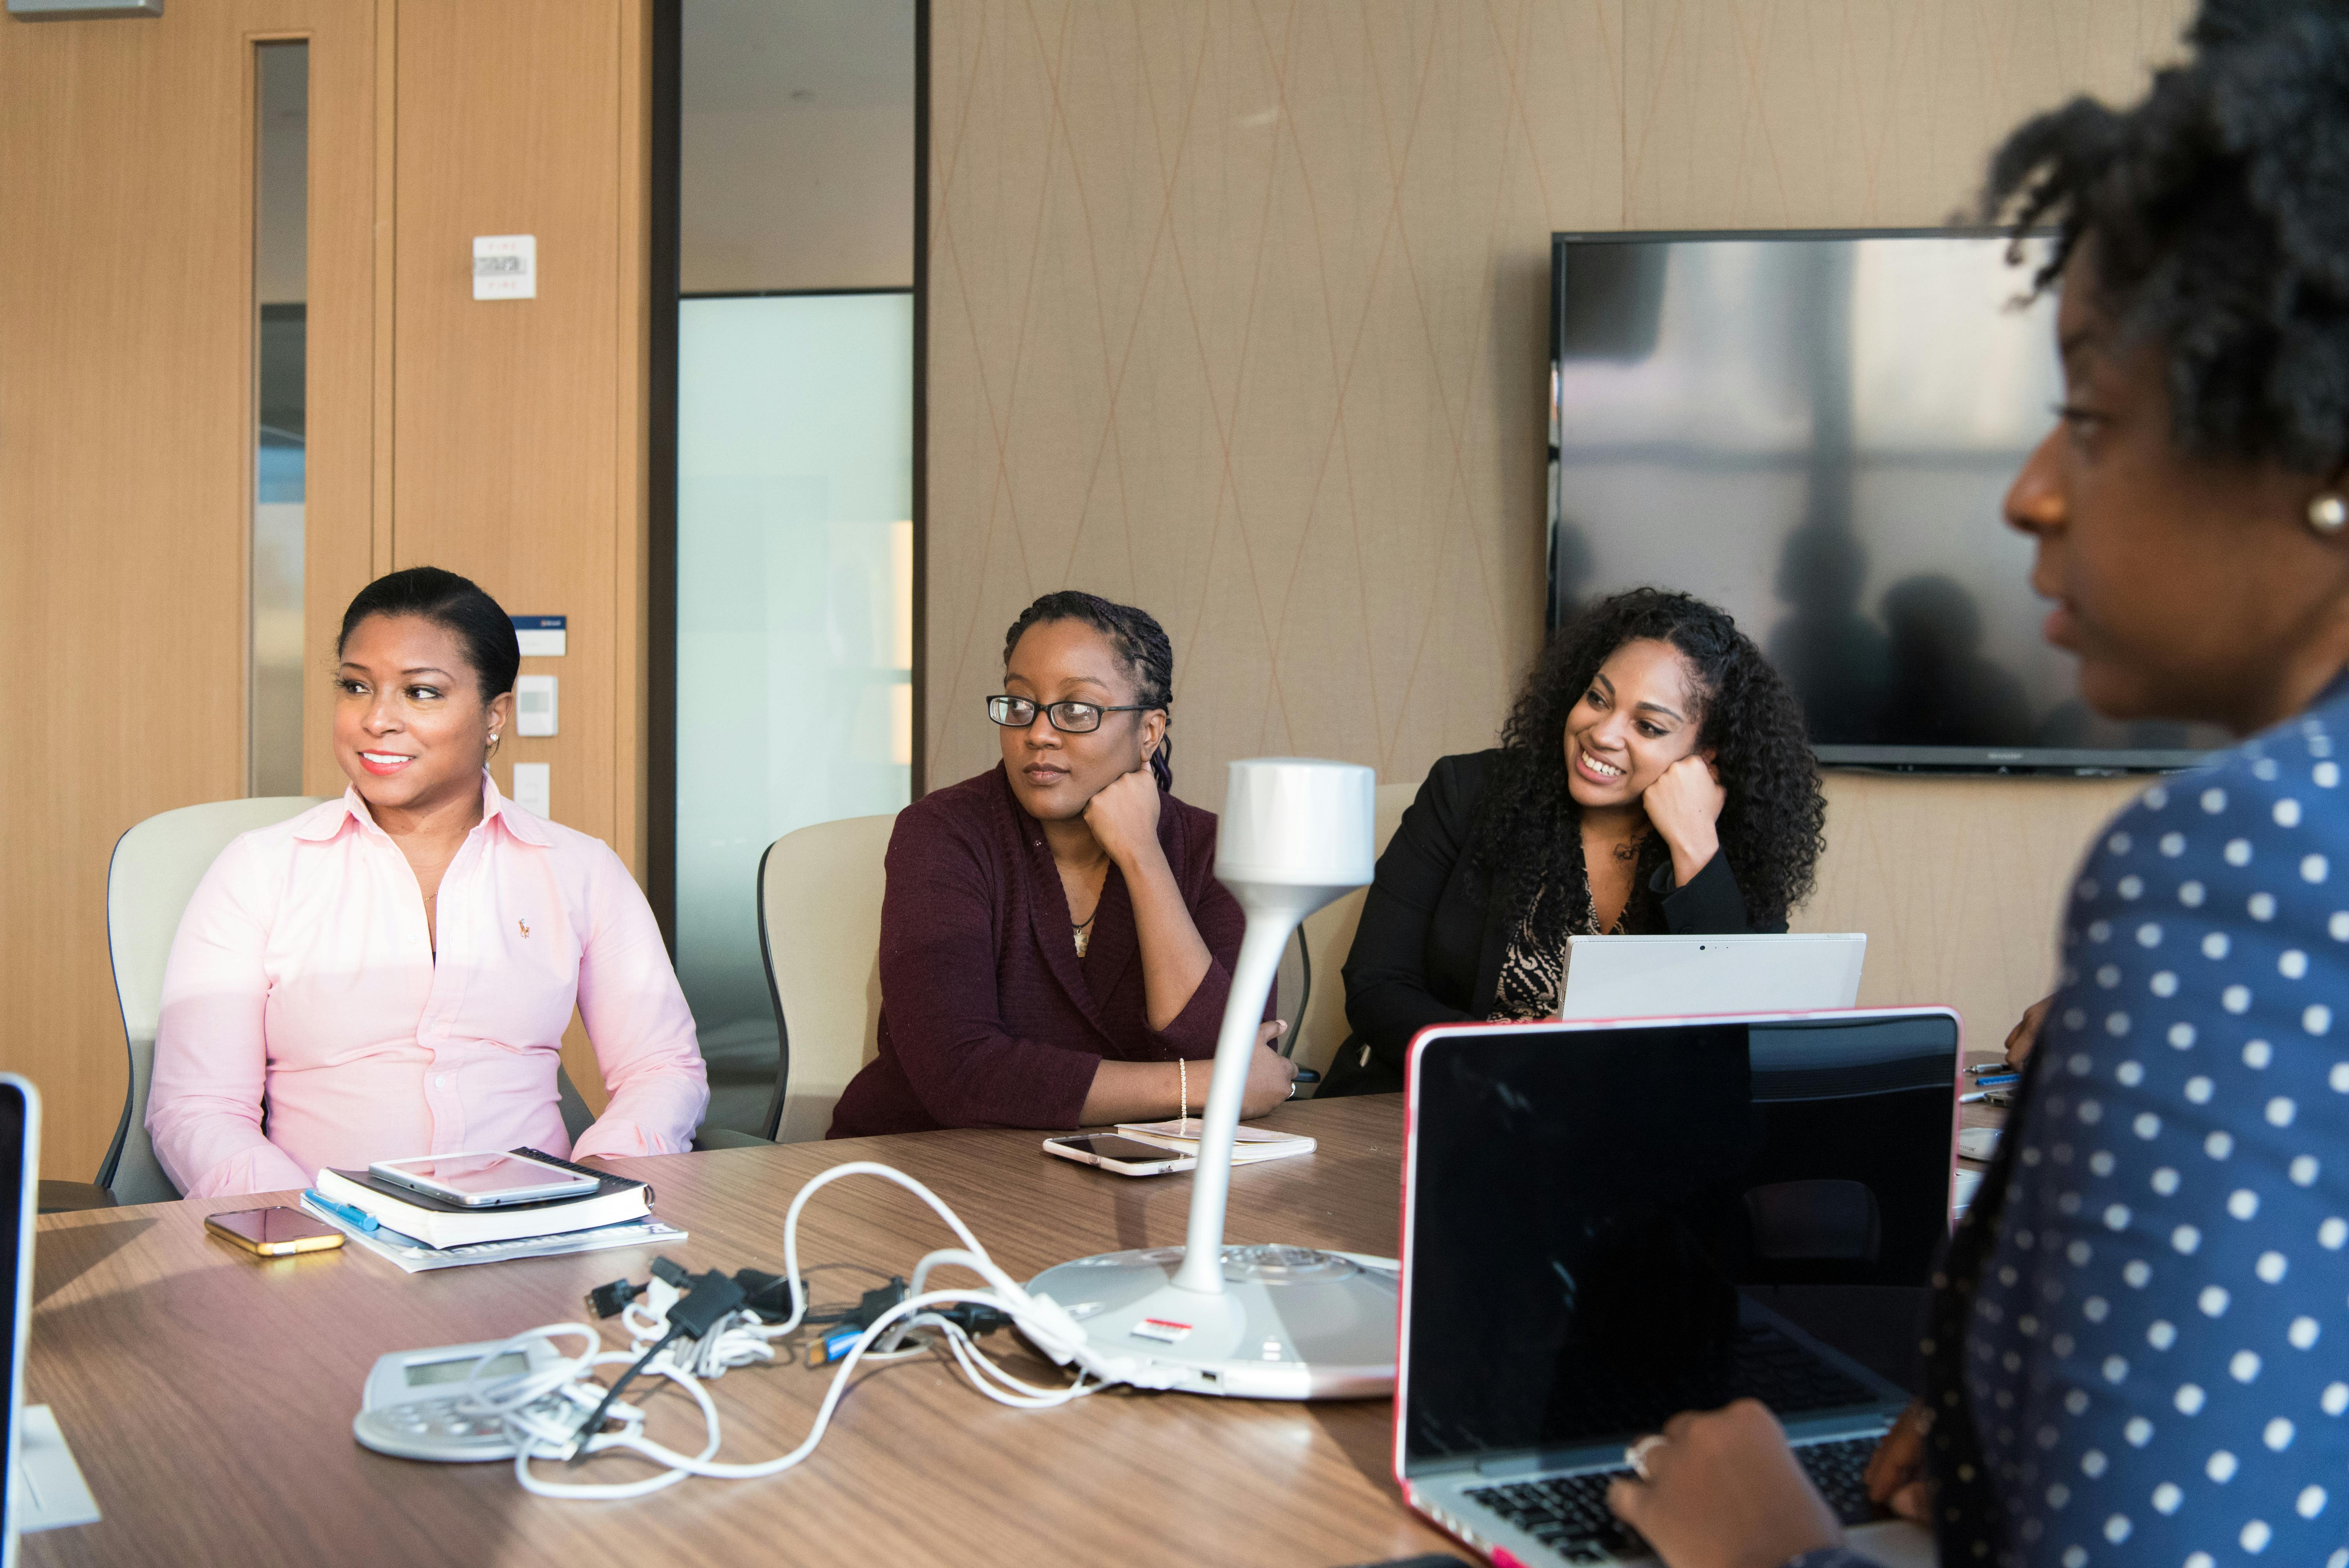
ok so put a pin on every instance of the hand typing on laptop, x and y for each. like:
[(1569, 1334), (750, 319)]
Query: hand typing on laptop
[(1723, 1491)]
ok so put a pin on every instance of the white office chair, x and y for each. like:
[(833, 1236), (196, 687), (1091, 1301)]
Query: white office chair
[(1325, 938), (156, 867), (820, 932), (155, 870)]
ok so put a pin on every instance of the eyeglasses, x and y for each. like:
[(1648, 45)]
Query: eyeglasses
[(1070, 718)]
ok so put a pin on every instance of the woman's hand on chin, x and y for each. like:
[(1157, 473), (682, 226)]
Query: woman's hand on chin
[(1125, 817), (1684, 804)]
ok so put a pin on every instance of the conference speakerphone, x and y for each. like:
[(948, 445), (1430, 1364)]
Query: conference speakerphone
[(415, 1404)]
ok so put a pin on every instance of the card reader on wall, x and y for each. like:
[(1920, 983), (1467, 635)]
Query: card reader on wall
[(534, 704)]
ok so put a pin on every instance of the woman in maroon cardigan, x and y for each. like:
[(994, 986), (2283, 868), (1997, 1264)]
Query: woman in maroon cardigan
[(1055, 949)]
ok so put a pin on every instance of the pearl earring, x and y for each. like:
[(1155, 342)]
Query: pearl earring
[(493, 738), (2328, 514)]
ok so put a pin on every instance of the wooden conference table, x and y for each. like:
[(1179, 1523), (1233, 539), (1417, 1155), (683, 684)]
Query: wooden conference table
[(208, 1396)]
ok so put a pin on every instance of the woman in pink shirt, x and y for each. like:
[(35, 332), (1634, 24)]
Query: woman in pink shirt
[(392, 974)]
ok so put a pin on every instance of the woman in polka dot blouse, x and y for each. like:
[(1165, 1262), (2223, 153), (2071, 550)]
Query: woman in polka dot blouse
[(2139, 1350)]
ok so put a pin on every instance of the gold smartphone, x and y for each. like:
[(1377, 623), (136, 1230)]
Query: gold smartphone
[(273, 1233)]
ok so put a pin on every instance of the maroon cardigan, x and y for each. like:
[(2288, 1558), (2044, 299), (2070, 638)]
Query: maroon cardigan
[(988, 1018)]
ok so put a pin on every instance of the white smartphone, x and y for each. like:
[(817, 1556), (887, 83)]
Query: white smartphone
[(1126, 1156), (484, 1180)]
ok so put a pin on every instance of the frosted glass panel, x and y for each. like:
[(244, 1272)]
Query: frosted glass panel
[(795, 623), (281, 232)]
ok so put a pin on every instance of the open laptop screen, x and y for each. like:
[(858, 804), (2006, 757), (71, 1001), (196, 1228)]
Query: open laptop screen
[(1607, 1220)]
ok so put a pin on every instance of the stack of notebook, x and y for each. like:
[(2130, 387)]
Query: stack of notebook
[(439, 1222)]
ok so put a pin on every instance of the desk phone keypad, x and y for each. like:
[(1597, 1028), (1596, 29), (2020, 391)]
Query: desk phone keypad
[(442, 1418), (442, 1430), (1568, 1513)]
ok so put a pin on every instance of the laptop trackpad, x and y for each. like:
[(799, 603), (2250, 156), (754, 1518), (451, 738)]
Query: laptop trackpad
[(1894, 1542)]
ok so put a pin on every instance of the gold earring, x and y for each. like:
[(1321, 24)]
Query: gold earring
[(2328, 514)]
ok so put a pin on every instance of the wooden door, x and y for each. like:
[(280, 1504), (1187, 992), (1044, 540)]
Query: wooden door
[(127, 431)]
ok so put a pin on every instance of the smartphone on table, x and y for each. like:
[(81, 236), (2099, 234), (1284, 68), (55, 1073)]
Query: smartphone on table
[(273, 1233), (1125, 1156), (484, 1180)]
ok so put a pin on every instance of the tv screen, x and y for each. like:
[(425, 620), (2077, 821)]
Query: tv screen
[(1814, 432)]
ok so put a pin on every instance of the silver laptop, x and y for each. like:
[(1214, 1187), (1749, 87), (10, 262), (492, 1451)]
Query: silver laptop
[(20, 1165), (1640, 976), (1607, 1224), (47, 1490)]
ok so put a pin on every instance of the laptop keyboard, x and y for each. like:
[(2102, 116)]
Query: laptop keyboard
[(1568, 1514)]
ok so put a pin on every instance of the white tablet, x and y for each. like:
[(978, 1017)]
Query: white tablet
[(484, 1180), (1646, 976)]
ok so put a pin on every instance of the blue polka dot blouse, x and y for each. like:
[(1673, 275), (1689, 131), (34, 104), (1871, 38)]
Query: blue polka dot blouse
[(2144, 1325)]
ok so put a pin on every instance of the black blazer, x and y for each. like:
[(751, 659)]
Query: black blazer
[(1430, 946)]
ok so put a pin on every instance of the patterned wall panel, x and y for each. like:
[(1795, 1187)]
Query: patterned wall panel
[(1239, 311)]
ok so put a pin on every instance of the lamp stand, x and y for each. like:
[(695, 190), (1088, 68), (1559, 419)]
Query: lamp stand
[(1248, 1322)]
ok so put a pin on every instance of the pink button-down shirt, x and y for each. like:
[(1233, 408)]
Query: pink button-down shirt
[(307, 1023)]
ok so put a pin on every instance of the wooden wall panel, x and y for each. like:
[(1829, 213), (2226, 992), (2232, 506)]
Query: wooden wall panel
[(506, 465), (1959, 883), (505, 441), (126, 455), (518, 446)]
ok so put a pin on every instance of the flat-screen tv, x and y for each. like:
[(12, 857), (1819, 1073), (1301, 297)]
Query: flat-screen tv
[(1815, 431)]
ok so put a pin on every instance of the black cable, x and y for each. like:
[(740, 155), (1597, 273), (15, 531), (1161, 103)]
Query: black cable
[(1304, 995), (595, 1423), (709, 1299)]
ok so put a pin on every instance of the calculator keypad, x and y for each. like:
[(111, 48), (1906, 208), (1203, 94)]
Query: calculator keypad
[(434, 1428)]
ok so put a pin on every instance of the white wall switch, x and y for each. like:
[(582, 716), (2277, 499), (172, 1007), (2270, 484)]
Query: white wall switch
[(534, 707), (505, 266), (531, 788)]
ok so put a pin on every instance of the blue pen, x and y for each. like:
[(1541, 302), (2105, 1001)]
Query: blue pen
[(356, 1216)]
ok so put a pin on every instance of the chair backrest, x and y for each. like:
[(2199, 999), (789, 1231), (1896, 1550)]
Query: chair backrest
[(820, 931), (1328, 936), (156, 867)]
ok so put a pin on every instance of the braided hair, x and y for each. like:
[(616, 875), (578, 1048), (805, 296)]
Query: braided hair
[(1136, 638), (1527, 837), (2219, 209)]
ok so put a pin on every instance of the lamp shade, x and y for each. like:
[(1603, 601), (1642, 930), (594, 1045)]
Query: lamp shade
[(1295, 821)]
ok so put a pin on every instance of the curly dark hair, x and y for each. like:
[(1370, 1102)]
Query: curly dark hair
[(1527, 836), (1140, 643), (2219, 211)]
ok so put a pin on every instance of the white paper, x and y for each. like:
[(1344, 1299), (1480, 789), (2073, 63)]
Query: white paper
[(416, 1257)]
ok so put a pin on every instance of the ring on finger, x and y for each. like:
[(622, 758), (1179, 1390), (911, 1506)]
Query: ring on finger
[(1636, 1456)]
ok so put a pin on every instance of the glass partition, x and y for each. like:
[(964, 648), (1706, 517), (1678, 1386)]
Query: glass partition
[(281, 236), (794, 615)]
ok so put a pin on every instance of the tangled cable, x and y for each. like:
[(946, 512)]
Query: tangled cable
[(546, 1412)]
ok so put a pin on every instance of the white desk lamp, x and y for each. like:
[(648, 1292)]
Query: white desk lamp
[(1252, 1322)]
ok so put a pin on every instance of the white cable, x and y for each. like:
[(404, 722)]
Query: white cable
[(542, 1409)]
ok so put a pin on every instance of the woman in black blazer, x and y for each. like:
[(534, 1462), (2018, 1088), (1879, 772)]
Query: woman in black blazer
[(1654, 743)]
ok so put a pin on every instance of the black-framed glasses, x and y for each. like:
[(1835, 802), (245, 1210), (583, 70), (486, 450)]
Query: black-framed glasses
[(1070, 718)]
